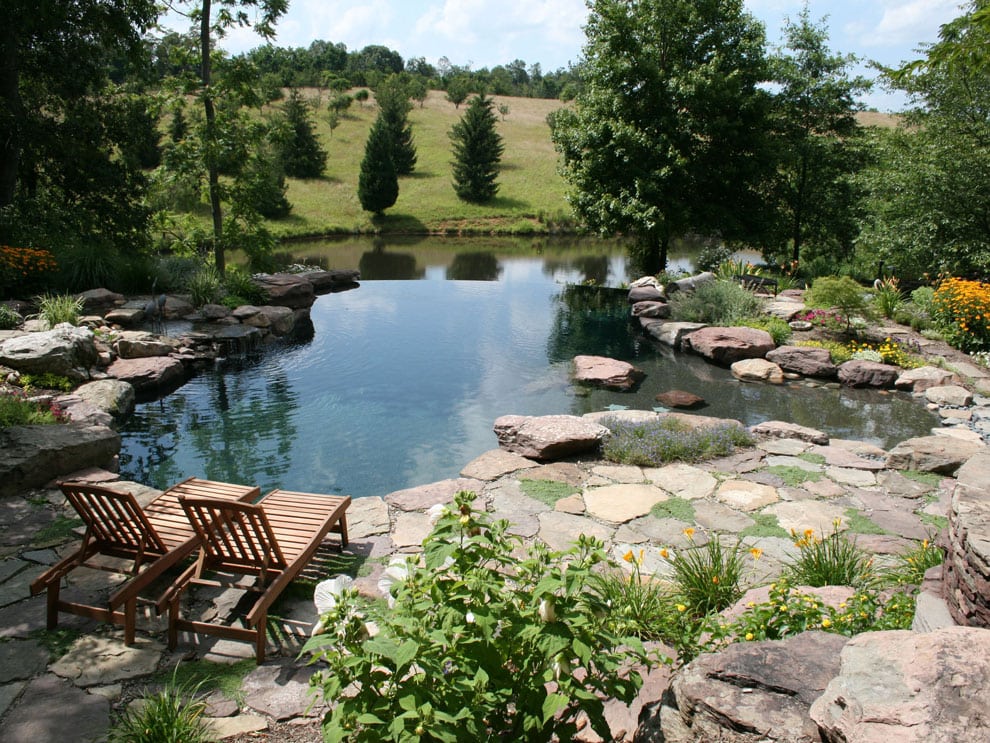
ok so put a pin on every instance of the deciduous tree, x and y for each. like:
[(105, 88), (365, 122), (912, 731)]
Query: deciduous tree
[(667, 135)]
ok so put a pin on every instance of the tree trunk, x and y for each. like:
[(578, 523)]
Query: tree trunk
[(797, 227), (211, 139), (10, 140)]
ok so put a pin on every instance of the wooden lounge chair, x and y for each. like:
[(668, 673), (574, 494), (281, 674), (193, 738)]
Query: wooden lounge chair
[(273, 540), (152, 539)]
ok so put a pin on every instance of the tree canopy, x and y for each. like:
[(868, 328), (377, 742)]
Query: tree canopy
[(667, 135)]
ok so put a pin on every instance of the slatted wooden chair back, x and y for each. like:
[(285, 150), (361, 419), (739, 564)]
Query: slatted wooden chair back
[(115, 523), (234, 536)]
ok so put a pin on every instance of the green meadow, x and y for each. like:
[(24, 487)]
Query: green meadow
[(530, 200)]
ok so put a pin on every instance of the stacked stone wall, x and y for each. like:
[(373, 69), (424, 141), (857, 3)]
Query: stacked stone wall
[(967, 541)]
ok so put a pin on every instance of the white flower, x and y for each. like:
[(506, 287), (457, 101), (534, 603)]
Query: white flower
[(327, 594), (396, 572), (469, 617), (436, 512), (547, 612)]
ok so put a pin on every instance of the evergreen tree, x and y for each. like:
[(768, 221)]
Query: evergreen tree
[(478, 150), (302, 154), (178, 127), (378, 184), (394, 106)]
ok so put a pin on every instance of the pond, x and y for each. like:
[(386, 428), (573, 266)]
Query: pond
[(402, 378)]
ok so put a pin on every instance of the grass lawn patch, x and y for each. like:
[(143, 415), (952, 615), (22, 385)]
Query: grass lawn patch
[(207, 676), (812, 457)]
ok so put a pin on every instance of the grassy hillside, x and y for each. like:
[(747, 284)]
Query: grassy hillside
[(531, 190)]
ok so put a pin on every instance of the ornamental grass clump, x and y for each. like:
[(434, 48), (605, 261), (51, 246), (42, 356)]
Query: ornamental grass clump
[(667, 439), (716, 302), (638, 603), (172, 715), (829, 560), (56, 309), (481, 643), (961, 312), (707, 577)]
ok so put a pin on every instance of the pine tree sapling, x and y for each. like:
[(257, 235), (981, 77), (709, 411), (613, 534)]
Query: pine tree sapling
[(302, 154), (477, 149), (378, 183), (394, 107)]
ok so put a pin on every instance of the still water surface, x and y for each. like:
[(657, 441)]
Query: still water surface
[(402, 378)]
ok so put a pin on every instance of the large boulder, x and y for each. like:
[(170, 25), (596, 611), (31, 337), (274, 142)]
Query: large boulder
[(860, 373), (31, 456), (757, 370), (151, 374), (940, 454), (98, 300), (549, 436), (909, 687), (690, 283), (751, 692), (804, 360), (925, 377), (601, 371), (335, 279), (951, 395), (673, 334), (728, 345), (277, 320), (112, 396), (65, 350), (286, 290), (142, 345), (646, 293), (651, 309), (680, 399), (787, 430)]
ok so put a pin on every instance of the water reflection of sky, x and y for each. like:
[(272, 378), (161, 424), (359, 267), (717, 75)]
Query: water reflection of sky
[(402, 380)]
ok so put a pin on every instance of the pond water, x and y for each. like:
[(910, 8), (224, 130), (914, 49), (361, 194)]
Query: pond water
[(401, 379)]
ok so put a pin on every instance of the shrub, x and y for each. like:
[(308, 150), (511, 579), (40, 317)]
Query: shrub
[(46, 381), (923, 298), (24, 268), (839, 292), (238, 283), (9, 318), (888, 352), (961, 311), (16, 410), (172, 714), (778, 328), (839, 352), (713, 255), (824, 319), (706, 577), (58, 308), (668, 440), (480, 644), (716, 303), (867, 354), (831, 560)]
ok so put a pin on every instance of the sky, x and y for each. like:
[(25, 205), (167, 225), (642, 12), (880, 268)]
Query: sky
[(486, 33)]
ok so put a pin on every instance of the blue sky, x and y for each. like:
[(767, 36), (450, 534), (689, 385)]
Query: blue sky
[(485, 33)]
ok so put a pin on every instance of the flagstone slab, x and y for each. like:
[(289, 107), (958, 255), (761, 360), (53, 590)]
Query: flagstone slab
[(824, 488), (571, 504), (738, 463), (859, 448), (565, 472), (854, 477), (719, 517), (784, 447), (8, 693), (801, 464), (621, 473), (495, 463), (51, 709), (96, 660), (892, 514), (820, 516), (894, 483), (410, 529), (666, 532), (442, 492), (508, 501), (21, 659), (367, 517), (280, 690), (744, 495), (561, 530), (623, 502), (683, 480), (228, 727)]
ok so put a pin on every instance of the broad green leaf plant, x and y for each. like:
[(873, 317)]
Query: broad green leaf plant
[(483, 641)]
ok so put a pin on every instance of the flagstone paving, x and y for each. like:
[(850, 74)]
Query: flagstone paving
[(747, 497)]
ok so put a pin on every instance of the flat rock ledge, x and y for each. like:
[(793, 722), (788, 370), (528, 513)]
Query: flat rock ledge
[(601, 371), (549, 436)]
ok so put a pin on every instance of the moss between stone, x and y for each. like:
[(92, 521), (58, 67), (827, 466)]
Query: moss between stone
[(766, 526), (812, 457), (794, 476), (547, 491), (674, 507), (860, 524)]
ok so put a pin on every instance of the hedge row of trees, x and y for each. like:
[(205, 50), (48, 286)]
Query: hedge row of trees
[(674, 130)]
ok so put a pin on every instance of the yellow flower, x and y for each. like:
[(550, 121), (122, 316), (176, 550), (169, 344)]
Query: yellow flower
[(628, 557), (809, 533), (756, 552), (681, 607), (664, 553), (826, 623), (689, 532), (715, 579), (749, 635)]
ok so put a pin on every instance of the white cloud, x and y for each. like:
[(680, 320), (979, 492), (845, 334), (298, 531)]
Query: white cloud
[(904, 23)]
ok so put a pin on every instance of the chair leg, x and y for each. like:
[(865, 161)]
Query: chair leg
[(52, 599), (343, 531), (130, 620), (261, 639), (173, 618)]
